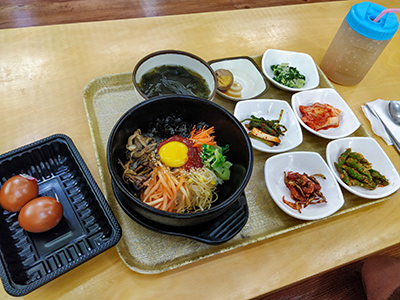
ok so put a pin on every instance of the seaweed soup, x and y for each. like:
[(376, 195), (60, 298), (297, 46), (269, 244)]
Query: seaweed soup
[(169, 79)]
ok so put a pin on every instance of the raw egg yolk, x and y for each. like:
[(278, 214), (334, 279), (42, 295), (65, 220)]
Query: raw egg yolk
[(173, 154)]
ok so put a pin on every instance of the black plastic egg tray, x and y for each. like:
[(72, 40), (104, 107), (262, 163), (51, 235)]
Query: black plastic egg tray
[(88, 227)]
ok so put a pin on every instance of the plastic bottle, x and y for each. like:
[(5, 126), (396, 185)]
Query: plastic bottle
[(358, 43)]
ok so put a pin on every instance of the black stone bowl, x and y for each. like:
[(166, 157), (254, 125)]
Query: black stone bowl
[(228, 130)]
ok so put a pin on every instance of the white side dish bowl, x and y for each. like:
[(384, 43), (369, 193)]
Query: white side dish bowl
[(302, 162), (246, 72), (371, 150), (302, 61), (348, 121), (270, 109)]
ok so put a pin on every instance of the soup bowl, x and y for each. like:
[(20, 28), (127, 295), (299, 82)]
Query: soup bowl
[(188, 61), (228, 130)]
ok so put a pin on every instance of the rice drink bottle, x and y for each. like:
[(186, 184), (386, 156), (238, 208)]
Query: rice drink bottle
[(358, 42)]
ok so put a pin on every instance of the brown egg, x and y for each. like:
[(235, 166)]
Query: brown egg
[(40, 214), (224, 79), (17, 191)]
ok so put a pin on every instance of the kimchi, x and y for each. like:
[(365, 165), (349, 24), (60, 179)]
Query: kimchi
[(320, 116)]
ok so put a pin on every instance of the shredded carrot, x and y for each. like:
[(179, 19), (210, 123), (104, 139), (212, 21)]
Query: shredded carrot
[(202, 136), (165, 191)]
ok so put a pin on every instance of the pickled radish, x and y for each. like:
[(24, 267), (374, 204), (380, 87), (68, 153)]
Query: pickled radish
[(235, 90)]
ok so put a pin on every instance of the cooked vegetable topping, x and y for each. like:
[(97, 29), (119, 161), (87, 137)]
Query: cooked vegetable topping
[(202, 136), (213, 157), (138, 167), (162, 189), (266, 131), (288, 76), (355, 170)]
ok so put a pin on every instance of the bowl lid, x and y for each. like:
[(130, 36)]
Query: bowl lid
[(360, 19)]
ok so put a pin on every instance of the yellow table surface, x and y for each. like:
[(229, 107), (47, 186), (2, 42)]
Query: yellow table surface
[(43, 71)]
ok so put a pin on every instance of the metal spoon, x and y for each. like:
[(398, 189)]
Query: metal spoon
[(394, 111)]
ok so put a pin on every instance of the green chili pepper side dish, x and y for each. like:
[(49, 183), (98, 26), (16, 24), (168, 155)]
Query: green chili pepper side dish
[(355, 170)]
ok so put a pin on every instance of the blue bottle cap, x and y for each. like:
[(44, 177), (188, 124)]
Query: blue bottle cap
[(360, 19)]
